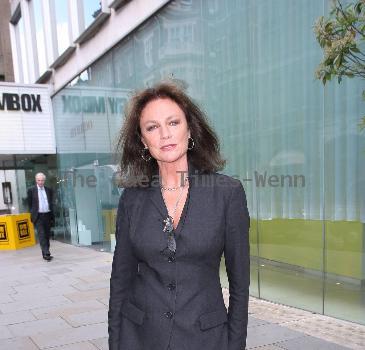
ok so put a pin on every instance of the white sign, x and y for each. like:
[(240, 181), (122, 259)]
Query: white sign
[(88, 119), (26, 119)]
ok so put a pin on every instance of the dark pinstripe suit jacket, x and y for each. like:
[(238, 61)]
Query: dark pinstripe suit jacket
[(158, 302), (33, 203)]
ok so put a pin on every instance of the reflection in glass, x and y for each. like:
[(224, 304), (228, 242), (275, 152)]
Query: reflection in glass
[(23, 51), (41, 46), (92, 8), (7, 193), (295, 148)]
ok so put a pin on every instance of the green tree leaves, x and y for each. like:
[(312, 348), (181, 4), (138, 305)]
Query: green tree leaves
[(342, 38)]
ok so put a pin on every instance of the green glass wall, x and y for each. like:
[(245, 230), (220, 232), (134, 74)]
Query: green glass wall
[(293, 143)]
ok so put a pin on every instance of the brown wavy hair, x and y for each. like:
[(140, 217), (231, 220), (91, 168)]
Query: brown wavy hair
[(205, 155)]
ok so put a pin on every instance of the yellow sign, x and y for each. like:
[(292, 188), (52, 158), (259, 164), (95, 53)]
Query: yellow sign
[(16, 232), (3, 233), (109, 217), (23, 229)]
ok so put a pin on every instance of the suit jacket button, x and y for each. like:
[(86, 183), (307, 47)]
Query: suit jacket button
[(171, 286), (168, 314)]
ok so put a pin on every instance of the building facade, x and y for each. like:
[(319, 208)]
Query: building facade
[(6, 62), (294, 144)]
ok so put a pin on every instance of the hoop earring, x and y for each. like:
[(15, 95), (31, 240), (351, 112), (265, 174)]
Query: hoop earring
[(192, 143), (145, 154)]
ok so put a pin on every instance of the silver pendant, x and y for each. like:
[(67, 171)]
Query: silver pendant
[(169, 228), (171, 243), (169, 224)]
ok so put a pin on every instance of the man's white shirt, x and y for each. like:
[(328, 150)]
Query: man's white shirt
[(43, 201)]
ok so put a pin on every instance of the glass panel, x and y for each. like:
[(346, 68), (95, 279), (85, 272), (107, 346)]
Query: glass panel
[(62, 22), (20, 170), (23, 51), (91, 10), (41, 46), (344, 202), (9, 198), (82, 112), (289, 152), (108, 195), (87, 206), (22, 191)]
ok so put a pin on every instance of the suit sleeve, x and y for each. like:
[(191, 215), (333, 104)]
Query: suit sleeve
[(123, 269), (51, 206), (30, 198), (237, 259)]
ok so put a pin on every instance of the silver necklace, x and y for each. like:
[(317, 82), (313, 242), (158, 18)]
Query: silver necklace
[(169, 221), (173, 188)]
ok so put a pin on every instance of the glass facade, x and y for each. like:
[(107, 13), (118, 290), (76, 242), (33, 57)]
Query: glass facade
[(23, 50), (41, 43), (20, 170), (294, 144), (91, 10), (62, 25)]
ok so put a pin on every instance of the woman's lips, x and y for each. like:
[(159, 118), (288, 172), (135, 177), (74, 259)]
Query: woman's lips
[(168, 147)]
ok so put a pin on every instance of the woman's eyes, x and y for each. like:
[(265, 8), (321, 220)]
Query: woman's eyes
[(173, 123), (149, 128)]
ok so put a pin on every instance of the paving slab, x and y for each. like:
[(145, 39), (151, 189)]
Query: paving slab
[(101, 344), (95, 277), (341, 332), (27, 279), (69, 309), (33, 304), (5, 332), (73, 335), (20, 343), (39, 327), (62, 305), (87, 295), (82, 286), (76, 346), (6, 298), (105, 301), (5, 290), (312, 343), (270, 334), (41, 290), (254, 322), (85, 318), (16, 317)]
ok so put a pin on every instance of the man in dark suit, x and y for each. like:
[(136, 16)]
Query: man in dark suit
[(40, 201)]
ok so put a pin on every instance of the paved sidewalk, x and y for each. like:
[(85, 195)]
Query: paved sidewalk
[(63, 305)]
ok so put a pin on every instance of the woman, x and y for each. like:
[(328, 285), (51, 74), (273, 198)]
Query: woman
[(174, 222)]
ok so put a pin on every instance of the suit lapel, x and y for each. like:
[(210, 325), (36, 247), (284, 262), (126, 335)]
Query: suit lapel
[(194, 199), (156, 198), (35, 197), (48, 194)]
